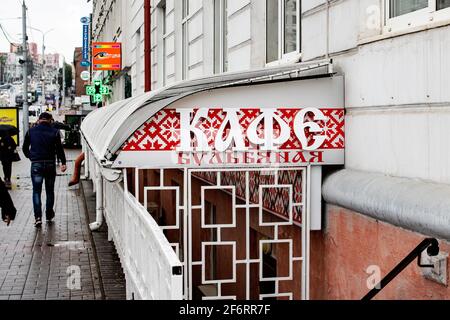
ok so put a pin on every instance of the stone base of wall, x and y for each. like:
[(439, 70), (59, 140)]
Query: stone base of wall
[(350, 243)]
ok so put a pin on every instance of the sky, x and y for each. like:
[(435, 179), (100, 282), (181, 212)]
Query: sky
[(62, 15)]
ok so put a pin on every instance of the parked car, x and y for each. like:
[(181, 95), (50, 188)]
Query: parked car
[(33, 113)]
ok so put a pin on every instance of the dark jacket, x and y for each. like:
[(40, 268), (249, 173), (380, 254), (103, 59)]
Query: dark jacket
[(6, 204), (7, 148), (43, 143)]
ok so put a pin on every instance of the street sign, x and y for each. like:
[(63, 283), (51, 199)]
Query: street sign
[(85, 50), (85, 20), (107, 56), (85, 75), (85, 42)]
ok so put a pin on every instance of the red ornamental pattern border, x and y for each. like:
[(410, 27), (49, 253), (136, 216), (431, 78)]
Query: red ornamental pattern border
[(162, 131)]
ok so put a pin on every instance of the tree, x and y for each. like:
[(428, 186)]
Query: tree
[(68, 70), (2, 68)]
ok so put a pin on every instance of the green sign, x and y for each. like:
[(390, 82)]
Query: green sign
[(97, 91)]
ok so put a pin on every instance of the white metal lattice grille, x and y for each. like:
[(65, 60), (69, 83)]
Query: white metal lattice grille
[(214, 213), (243, 204)]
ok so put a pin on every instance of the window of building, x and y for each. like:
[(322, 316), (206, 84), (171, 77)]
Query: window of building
[(442, 4), (290, 26), (283, 30), (138, 53), (272, 34), (185, 38), (220, 36), (401, 7), (185, 8), (404, 14), (165, 35)]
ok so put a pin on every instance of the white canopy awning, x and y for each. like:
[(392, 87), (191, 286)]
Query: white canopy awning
[(105, 130)]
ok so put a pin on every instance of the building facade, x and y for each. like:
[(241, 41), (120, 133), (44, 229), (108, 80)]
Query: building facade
[(80, 89), (394, 188), (120, 21), (11, 69)]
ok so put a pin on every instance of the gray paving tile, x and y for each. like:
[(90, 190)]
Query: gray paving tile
[(34, 263)]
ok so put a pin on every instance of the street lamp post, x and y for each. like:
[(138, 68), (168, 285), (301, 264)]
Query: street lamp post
[(26, 123), (63, 86), (43, 60), (63, 82)]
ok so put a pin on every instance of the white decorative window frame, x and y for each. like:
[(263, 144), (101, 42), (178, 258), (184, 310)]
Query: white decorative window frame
[(419, 18)]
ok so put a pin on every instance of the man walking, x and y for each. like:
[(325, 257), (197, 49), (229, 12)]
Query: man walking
[(42, 144)]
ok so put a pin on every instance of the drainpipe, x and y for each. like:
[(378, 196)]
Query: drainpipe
[(99, 203), (86, 162)]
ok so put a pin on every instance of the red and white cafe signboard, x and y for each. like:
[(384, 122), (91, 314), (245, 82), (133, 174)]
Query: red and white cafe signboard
[(196, 133)]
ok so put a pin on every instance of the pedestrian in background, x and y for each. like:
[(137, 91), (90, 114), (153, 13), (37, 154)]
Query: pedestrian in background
[(42, 144), (8, 154), (6, 204)]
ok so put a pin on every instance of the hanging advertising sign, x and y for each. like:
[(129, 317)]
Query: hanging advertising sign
[(97, 91), (85, 49), (85, 76), (10, 116), (107, 56), (85, 42)]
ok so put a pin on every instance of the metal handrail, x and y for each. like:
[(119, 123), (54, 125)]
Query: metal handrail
[(432, 247)]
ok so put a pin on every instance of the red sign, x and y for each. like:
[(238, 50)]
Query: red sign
[(107, 55)]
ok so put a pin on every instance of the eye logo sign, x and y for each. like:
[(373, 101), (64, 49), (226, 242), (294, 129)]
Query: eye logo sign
[(107, 56)]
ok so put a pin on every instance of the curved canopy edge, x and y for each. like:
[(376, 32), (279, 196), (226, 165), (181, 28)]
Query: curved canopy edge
[(106, 129)]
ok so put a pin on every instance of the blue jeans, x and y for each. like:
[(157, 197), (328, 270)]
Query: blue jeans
[(40, 172)]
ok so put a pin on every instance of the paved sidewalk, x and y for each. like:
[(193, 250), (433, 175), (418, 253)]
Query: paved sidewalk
[(56, 262), (112, 277)]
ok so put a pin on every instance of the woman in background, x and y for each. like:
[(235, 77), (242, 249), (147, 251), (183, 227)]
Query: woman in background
[(8, 155), (6, 204)]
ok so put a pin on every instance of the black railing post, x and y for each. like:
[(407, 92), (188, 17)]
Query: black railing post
[(432, 247)]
